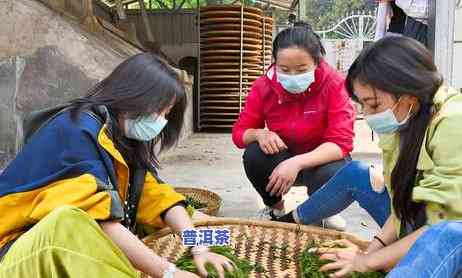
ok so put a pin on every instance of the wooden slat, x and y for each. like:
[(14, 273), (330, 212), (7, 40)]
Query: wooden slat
[(236, 26), (233, 46), (231, 8), (220, 114), (231, 70), (229, 14), (215, 107), (226, 33), (255, 59), (220, 97), (247, 21)]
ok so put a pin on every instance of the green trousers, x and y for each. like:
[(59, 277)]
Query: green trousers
[(66, 243)]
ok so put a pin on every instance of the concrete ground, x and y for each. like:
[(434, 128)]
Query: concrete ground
[(212, 161)]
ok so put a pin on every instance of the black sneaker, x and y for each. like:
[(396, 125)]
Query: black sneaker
[(287, 218)]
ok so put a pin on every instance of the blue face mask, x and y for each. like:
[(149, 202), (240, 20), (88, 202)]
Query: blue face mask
[(296, 84), (144, 128), (385, 122)]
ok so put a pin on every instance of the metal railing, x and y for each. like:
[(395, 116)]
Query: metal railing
[(353, 27)]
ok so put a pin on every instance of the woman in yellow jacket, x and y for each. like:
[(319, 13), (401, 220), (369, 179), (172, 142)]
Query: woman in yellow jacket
[(86, 177), (419, 125)]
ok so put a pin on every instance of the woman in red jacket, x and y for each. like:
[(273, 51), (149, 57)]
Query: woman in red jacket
[(297, 125)]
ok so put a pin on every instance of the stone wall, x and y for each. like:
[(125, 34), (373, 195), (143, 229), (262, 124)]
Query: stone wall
[(31, 82), (46, 58)]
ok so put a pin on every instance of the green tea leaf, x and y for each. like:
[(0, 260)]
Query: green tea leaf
[(243, 267), (310, 263)]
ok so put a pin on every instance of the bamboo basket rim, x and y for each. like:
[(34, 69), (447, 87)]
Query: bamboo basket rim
[(297, 228), (203, 190), (212, 200)]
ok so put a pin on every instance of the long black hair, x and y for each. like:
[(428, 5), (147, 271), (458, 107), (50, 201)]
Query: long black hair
[(401, 66), (301, 35), (140, 86)]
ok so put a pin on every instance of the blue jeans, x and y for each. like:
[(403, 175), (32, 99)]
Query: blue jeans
[(437, 253), (351, 183)]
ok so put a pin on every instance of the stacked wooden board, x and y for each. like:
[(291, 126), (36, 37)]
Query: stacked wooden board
[(236, 46)]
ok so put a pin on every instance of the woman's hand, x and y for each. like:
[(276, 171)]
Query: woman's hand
[(202, 256), (184, 274), (270, 142), (345, 260), (283, 177)]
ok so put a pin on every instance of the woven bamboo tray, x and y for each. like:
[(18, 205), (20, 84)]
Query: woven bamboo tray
[(211, 199), (256, 241)]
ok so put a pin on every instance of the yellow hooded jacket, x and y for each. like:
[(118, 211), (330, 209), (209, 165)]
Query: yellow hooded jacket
[(74, 163)]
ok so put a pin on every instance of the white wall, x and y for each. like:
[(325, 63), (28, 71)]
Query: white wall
[(457, 65), (178, 51), (342, 53)]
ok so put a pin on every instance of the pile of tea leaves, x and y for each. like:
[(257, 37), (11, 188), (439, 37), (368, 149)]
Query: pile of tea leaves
[(190, 201), (242, 267), (310, 263)]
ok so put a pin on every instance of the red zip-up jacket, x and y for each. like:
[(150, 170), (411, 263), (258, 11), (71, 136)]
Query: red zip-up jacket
[(324, 113)]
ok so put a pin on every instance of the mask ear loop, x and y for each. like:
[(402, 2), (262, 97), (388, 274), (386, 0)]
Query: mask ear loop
[(408, 113), (408, 116), (396, 104), (410, 109)]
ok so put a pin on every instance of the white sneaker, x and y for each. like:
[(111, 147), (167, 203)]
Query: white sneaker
[(335, 222), (268, 213)]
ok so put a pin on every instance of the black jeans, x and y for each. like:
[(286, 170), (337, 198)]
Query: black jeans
[(259, 166)]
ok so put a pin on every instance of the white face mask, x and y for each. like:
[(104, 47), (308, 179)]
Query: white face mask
[(386, 122), (144, 128), (297, 83)]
